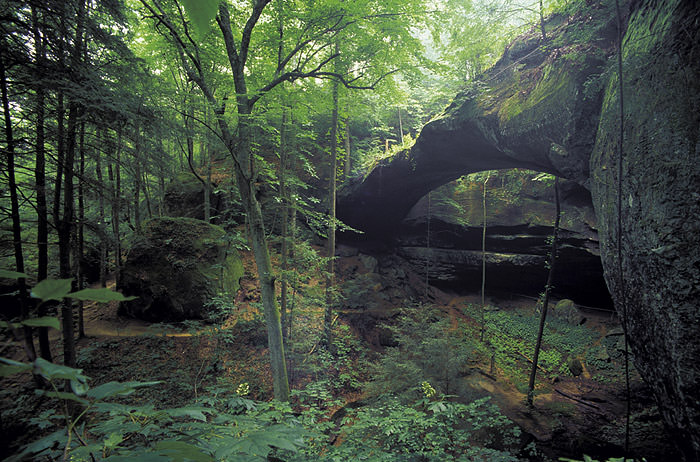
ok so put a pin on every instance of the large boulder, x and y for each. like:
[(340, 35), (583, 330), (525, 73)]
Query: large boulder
[(567, 311), (175, 268)]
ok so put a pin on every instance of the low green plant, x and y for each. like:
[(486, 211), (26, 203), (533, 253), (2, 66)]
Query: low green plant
[(512, 334), (431, 428), (93, 425), (429, 349), (220, 307), (590, 459)]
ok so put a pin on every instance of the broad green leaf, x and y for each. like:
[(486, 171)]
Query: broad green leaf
[(259, 443), (141, 457), (44, 321), (51, 371), (6, 371), (99, 295), (193, 412), (11, 274), (55, 439), (201, 13), (182, 452), (52, 289), (62, 395), (113, 440), (84, 453), (437, 407), (109, 389), (9, 367), (79, 387)]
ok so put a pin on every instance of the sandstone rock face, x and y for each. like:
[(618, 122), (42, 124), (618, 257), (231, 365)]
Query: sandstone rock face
[(555, 109), (184, 197), (175, 268), (659, 287), (519, 216), (537, 108)]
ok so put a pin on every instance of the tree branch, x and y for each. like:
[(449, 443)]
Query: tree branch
[(223, 19), (258, 7)]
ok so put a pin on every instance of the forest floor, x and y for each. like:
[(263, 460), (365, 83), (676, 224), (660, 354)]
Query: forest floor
[(570, 411)]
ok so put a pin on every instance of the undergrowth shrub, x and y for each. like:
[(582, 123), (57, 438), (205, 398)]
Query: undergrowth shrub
[(429, 348)]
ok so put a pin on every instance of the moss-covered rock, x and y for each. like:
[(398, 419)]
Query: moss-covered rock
[(184, 197), (567, 311), (659, 287), (553, 107), (176, 267), (537, 108)]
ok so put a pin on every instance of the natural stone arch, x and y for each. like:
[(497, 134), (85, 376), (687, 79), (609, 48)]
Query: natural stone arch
[(532, 110), (535, 109)]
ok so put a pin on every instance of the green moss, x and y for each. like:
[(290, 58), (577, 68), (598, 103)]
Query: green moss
[(554, 88), (233, 271), (182, 260)]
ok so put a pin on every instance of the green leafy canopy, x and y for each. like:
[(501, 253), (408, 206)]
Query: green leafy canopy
[(201, 12)]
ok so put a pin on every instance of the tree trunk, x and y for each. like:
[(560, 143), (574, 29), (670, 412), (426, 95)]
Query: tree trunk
[(261, 253), (115, 176), (330, 276), (240, 150), (60, 156), (137, 182), (285, 222), (241, 153), (42, 237), (547, 289), (161, 185), (348, 161), (544, 35), (65, 232), (101, 210), (427, 247), (483, 264), (146, 193), (292, 237), (80, 241), (14, 208), (207, 188), (66, 225)]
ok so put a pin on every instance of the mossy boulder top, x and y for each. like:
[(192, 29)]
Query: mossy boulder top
[(184, 197), (176, 267)]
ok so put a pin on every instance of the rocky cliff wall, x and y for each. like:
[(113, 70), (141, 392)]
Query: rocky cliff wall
[(553, 107), (442, 235), (659, 286)]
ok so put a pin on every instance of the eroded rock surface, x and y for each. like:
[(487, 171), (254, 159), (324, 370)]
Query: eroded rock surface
[(442, 235), (175, 268), (537, 108), (555, 109), (659, 287), (184, 197)]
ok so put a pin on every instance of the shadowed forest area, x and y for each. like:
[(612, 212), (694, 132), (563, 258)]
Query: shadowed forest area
[(401, 230)]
